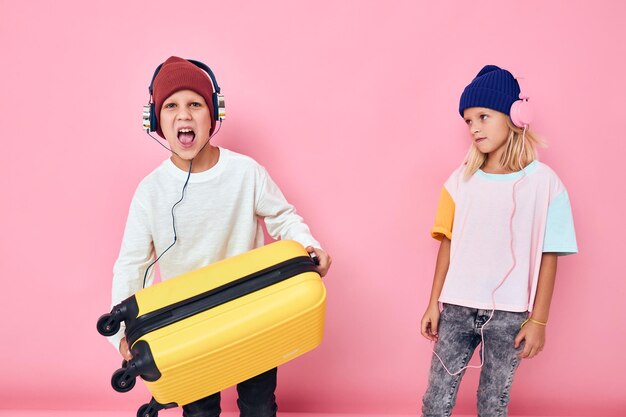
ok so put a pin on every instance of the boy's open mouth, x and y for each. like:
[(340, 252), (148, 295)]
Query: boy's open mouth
[(186, 136)]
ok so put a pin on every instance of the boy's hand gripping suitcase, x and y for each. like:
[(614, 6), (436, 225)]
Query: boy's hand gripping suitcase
[(203, 331)]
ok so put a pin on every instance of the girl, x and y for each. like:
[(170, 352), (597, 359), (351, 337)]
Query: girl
[(503, 218)]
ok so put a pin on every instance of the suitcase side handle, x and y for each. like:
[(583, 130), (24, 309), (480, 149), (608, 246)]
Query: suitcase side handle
[(315, 259)]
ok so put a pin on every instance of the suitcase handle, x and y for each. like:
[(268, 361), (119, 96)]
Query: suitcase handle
[(315, 259)]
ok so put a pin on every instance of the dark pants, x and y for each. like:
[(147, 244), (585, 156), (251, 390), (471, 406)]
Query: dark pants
[(256, 399)]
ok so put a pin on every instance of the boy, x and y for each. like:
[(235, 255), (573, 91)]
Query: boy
[(224, 196)]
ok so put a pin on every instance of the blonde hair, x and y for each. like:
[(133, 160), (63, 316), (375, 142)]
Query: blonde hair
[(515, 148)]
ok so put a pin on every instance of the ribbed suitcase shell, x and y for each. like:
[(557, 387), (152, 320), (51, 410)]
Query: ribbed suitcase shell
[(235, 341)]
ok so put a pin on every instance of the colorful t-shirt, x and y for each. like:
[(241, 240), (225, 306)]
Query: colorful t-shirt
[(486, 228)]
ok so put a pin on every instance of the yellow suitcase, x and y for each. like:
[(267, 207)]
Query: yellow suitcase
[(203, 331)]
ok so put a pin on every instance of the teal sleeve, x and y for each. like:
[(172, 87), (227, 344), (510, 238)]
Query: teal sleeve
[(560, 236)]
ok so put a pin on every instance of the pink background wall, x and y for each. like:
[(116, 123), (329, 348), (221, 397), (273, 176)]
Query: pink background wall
[(352, 107)]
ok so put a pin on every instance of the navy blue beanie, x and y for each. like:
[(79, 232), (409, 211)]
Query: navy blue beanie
[(494, 88)]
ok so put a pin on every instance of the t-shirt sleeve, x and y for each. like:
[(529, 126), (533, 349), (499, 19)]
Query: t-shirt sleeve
[(444, 217), (560, 236)]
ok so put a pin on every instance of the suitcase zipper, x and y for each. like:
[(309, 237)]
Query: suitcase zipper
[(217, 296)]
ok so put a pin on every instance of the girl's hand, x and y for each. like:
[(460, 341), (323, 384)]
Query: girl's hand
[(323, 258), (534, 336), (124, 350), (430, 323)]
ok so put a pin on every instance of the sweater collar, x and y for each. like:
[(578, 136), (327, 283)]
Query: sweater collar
[(203, 176)]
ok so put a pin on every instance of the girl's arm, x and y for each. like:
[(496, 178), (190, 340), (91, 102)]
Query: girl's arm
[(534, 333), (430, 320)]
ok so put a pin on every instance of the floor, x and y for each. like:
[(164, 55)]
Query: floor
[(172, 413), (168, 413)]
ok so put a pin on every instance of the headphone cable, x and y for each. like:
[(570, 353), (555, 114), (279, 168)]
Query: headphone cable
[(173, 226), (179, 201)]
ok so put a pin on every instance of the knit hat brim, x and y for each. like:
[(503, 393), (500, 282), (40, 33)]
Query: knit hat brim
[(485, 97)]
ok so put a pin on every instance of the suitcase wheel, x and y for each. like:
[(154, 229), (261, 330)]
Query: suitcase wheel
[(121, 381), (146, 410), (107, 326)]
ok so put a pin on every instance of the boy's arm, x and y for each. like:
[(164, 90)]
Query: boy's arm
[(532, 332), (430, 320), (136, 253), (283, 222)]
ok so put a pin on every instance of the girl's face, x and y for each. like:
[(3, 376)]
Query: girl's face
[(489, 130)]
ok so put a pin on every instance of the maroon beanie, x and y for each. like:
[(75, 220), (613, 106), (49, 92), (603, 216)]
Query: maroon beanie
[(179, 74)]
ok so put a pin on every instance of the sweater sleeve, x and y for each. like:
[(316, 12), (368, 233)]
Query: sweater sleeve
[(280, 217), (136, 253)]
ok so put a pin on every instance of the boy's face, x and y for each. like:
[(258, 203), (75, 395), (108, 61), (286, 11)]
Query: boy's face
[(488, 128), (185, 121)]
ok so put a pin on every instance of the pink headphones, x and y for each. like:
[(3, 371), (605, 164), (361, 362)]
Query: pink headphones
[(521, 110)]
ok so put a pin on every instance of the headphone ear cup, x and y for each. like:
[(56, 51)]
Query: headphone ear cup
[(146, 118), (153, 119), (221, 107), (521, 113), (216, 111)]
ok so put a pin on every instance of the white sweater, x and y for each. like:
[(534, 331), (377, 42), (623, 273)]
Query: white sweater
[(218, 218)]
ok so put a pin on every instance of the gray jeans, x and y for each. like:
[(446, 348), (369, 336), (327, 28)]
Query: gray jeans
[(459, 335)]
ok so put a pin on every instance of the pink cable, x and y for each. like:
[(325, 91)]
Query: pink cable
[(493, 293)]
